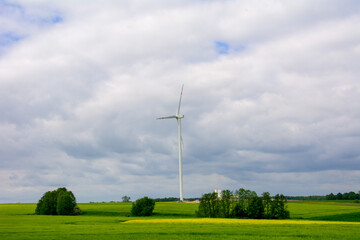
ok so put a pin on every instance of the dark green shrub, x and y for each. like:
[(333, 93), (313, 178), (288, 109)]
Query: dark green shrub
[(256, 208), (47, 204), (57, 202), (77, 210), (143, 207), (238, 211), (65, 203)]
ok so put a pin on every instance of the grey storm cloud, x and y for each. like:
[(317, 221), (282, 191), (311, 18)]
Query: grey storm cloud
[(270, 99)]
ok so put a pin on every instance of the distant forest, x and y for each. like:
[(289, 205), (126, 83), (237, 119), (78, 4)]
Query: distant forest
[(331, 196), (173, 199)]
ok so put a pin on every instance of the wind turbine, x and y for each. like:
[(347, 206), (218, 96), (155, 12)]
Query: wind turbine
[(178, 118)]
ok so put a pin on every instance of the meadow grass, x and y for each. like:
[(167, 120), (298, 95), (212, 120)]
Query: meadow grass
[(176, 221), (331, 211)]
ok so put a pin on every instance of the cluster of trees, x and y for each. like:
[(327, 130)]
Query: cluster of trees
[(143, 207), (243, 204), (306, 198), (57, 202), (343, 196)]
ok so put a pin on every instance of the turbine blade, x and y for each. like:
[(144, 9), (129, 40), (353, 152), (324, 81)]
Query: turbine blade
[(182, 142), (178, 110), (166, 117)]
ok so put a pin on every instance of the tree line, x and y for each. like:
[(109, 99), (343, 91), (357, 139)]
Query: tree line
[(174, 199), (343, 196), (339, 196), (243, 204), (306, 198)]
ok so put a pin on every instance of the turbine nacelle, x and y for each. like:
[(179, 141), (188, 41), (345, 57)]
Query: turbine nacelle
[(169, 117)]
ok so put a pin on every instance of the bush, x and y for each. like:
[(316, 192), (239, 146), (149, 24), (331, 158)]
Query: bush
[(77, 210), (66, 203), (143, 207), (57, 202), (47, 204)]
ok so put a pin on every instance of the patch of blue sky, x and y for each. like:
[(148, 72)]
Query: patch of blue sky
[(21, 14), (48, 20), (57, 19), (222, 48), (45, 21), (9, 38), (9, 8)]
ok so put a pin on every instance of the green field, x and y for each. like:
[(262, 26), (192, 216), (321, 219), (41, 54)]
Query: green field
[(309, 220)]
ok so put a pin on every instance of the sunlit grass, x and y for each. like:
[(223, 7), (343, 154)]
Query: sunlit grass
[(177, 221), (322, 210)]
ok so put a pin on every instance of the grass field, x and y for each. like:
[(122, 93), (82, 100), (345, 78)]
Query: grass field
[(309, 220)]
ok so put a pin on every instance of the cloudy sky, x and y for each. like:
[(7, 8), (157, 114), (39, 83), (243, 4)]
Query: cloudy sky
[(271, 97)]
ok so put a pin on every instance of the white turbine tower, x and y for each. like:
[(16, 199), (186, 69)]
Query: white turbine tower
[(178, 117)]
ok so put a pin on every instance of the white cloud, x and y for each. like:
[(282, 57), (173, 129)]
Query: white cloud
[(79, 94)]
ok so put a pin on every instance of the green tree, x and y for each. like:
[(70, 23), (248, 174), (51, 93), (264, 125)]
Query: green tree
[(241, 195), (47, 204), (244, 204), (346, 196), (225, 203), (238, 211), (284, 212), (143, 207), (256, 208), (352, 195), (39, 206), (278, 208), (209, 205), (339, 196), (244, 197), (66, 203), (267, 204), (126, 199), (331, 196)]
